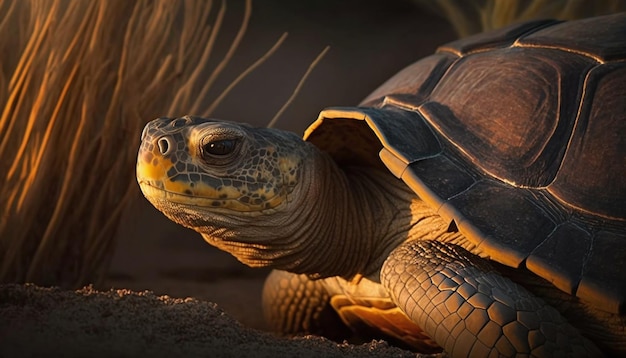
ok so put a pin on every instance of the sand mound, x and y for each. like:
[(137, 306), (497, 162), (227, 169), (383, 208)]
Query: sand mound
[(39, 321)]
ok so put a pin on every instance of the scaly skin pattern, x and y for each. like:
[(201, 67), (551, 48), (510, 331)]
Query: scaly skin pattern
[(355, 240), (474, 311)]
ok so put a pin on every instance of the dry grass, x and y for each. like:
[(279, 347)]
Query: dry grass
[(78, 81), (474, 16)]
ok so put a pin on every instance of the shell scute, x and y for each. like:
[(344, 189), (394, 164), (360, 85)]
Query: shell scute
[(604, 278), (405, 132), (503, 110), (592, 174), (605, 41), (443, 177), (560, 258), (502, 37)]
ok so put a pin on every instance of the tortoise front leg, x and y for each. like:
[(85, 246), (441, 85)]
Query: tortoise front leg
[(295, 304), (471, 310)]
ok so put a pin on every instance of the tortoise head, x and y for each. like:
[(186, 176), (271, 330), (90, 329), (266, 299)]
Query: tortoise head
[(222, 179)]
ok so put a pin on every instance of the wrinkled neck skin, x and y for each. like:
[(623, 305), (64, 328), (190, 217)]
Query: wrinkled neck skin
[(338, 222)]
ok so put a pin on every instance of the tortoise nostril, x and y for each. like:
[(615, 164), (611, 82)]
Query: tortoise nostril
[(180, 122), (164, 145)]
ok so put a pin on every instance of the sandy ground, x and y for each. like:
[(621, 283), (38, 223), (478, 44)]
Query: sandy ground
[(40, 322), (370, 40)]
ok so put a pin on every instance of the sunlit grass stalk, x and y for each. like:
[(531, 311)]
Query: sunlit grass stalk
[(78, 81), (282, 109)]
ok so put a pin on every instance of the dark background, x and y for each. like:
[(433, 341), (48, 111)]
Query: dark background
[(370, 41)]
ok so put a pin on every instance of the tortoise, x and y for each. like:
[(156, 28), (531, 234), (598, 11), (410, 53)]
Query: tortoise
[(475, 202)]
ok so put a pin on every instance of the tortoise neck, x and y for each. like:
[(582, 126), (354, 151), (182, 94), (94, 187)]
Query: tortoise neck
[(339, 222), (355, 217)]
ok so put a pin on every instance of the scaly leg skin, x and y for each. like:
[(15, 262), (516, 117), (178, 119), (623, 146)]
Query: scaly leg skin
[(294, 304), (471, 310)]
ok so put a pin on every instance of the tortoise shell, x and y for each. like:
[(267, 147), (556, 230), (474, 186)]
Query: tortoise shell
[(516, 136)]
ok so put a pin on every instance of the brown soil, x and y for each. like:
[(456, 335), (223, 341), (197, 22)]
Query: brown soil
[(43, 322)]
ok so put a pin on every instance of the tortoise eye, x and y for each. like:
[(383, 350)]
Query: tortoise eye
[(220, 147)]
